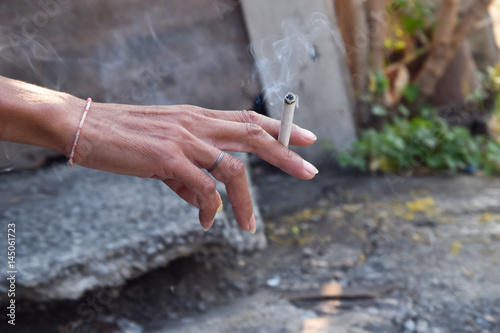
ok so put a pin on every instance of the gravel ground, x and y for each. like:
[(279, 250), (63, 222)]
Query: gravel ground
[(412, 255)]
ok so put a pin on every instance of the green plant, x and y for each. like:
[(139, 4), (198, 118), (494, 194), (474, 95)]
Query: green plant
[(414, 15), (424, 141), (409, 135), (492, 84)]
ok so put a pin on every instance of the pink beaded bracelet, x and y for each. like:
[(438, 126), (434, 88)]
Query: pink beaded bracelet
[(71, 164)]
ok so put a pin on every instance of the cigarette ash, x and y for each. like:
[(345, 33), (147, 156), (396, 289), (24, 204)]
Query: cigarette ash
[(290, 98)]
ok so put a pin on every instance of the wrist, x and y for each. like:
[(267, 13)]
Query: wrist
[(67, 115)]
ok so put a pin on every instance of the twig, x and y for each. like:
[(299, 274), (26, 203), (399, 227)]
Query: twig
[(339, 294)]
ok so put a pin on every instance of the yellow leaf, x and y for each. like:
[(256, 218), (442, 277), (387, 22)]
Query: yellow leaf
[(446, 220), (455, 248), (486, 217), (374, 165), (373, 83), (361, 259), (352, 208), (409, 216), (385, 165), (421, 205), (400, 45), (388, 43), (335, 214)]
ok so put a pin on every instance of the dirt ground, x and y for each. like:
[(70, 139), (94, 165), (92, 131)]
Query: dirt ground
[(345, 254)]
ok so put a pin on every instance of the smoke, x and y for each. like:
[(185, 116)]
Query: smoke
[(279, 60), (25, 51)]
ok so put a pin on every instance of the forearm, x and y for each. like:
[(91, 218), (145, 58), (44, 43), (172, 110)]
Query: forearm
[(38, 116)]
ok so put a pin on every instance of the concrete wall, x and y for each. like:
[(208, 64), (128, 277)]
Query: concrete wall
[(299, 48), (135, 52), (172, 52)]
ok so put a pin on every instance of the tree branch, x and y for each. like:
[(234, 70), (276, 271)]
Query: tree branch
[(447, 39), (378, 21), (437, 59), (474, 13)]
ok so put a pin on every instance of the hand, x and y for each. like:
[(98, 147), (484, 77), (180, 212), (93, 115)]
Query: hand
[(173, 144)]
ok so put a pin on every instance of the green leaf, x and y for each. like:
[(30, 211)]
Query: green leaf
[(450, 162), (434, 161), (403, 110), (428, 111), (497, 102), (430, 142), (490, 168), (441, 146), (381, 81), (411, 24), (411, 93), (379, 111)]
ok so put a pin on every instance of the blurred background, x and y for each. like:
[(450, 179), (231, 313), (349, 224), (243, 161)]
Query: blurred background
[(399, 232)]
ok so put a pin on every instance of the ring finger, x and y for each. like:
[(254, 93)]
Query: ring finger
[(230, 171)]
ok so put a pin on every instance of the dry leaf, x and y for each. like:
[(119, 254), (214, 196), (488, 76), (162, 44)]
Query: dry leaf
[(455, 248), (421, 205)]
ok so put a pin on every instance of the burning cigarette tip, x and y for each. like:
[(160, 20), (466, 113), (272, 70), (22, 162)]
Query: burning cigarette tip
[(290, 98)]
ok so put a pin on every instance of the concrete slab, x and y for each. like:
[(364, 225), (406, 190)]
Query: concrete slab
[(80, 229)]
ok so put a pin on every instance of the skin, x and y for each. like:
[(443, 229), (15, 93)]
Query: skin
[(170, 143)]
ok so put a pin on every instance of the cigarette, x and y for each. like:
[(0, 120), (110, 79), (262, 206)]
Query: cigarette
[(287, 119)]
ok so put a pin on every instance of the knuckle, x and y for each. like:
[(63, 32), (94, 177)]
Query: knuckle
[(189, 108), (186, 114), (179, 135), (199, 113), (289, 154), (250, 116), (207, 187), (236, 168), (206, 112), (288, 158), (254, 131), (173, 167)]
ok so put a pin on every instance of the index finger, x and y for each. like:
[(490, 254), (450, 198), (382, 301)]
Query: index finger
[(299, 136)]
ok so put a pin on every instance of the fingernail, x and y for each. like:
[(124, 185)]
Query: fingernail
[(310, 168), (220, 208), (252, 226), (211, 223), (308, 135)]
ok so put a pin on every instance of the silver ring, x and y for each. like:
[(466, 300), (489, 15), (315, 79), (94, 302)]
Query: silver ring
[(217, 162)]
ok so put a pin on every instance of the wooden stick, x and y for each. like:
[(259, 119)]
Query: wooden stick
[(336, 292)]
